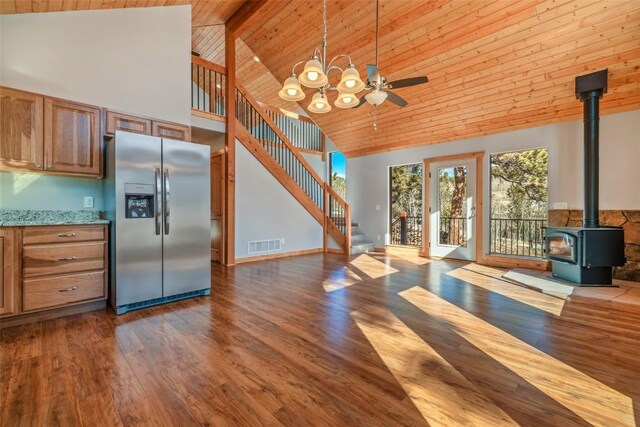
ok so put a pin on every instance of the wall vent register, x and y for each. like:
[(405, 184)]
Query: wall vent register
[(265, 246)]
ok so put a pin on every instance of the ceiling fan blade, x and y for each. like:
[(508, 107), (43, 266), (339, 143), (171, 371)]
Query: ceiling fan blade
[(372, 73), (363, 101), (412, 81), (398, 100)]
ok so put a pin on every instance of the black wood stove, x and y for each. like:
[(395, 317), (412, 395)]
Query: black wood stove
[(586, 255)]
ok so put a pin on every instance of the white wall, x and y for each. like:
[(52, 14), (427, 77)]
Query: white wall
[(135, 60), (266, 210), (367, 176)]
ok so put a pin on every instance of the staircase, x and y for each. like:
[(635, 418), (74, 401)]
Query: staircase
[(257, 130), (359, 242)]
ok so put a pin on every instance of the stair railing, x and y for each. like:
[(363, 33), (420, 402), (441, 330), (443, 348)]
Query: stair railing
[(258, 130), (301, 131), (338, 217)]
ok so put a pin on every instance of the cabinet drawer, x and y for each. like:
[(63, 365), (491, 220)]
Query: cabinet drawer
[(48, 292), (62, 234), (44, 260)]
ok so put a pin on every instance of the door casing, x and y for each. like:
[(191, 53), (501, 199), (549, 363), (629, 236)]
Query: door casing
[(478, 157)]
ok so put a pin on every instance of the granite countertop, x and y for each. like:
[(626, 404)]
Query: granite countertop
[(21, 218)]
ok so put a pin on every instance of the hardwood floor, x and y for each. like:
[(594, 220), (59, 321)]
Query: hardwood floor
[(318, 340)]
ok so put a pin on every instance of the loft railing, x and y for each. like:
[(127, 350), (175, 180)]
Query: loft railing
[(407, 230), (208, 86), (518, 237), (301, 131)]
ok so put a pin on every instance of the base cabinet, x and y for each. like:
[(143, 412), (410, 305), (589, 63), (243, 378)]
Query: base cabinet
[(9, 269), (51, 271)]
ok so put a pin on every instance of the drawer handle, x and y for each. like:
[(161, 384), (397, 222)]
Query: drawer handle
[(68, 289), (67, 235), (71, 258)]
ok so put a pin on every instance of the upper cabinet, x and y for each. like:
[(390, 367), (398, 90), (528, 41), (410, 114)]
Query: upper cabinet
[(21, 130), (171, 131), (145, 126), (49, 135), (72, 141)]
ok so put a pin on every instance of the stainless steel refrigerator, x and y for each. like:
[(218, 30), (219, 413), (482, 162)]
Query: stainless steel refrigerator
[(157, 197)]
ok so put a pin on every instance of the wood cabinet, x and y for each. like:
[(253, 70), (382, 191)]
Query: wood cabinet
[(126, 122), (171, 131), (21, 130), (72, 142), (9, 269), (55, 270), (115, 120), (50, 135)]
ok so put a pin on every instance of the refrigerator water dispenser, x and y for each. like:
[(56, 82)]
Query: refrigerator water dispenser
[(139, 201)]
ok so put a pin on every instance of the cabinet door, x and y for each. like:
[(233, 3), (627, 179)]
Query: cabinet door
[(72, 142), (21, 130), (120, 121), (171, 131), (8, 270)]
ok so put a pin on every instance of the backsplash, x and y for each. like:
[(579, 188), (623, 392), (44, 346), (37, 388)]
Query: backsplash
[(628, 219)]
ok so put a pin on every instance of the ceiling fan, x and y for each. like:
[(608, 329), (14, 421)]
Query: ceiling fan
[(378, 84)]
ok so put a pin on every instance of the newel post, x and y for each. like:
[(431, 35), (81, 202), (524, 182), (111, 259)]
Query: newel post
[(403, 228)]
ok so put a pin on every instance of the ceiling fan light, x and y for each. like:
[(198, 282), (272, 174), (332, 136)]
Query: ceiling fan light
[(291, 90), (319, 104), (376, 97), (350, 81), (346, 100), (313, 75)]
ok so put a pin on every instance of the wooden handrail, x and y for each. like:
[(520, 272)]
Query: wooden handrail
[(208, 64), (274, 127), (335, 195)]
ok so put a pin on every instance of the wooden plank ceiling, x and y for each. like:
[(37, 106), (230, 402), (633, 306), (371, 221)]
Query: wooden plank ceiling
[(204, 12), (493, 65)]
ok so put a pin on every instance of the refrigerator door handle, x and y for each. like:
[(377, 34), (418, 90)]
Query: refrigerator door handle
[(167, 194), (158, 203)]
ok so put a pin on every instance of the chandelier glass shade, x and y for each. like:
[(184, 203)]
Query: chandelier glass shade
[(346, 100), (315, 75), (319, 103), (291, 90), (350, 81)]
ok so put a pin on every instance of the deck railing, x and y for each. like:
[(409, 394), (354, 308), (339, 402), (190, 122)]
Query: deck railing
[(407, 231), (518, 237), (453, 231)]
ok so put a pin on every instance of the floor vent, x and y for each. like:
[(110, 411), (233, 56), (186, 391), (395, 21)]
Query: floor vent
[(264, 246)]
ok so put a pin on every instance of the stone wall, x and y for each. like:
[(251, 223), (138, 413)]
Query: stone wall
[(630, 220)]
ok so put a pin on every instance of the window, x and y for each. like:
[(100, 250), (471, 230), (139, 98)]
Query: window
[(338, 173), (518, 202), (405, 203)]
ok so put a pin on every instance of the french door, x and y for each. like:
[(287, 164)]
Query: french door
[(452, 209)]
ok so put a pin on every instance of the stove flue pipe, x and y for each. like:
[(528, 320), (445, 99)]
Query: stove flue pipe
[(589, 90)]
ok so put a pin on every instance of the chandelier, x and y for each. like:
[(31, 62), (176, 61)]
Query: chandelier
[(315, 75)]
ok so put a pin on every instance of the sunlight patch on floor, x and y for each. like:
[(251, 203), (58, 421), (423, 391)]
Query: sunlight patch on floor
[(529, 297), (372, 267), (341, 279), (443, 395), (588, 398)]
